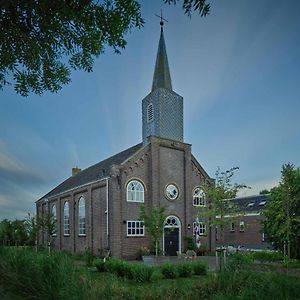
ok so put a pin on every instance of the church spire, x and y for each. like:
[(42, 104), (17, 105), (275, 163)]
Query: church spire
[(161, 77)]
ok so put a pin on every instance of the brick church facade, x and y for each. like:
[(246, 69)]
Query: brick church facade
[(99, 207)]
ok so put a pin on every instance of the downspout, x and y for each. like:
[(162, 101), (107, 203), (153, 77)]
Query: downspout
[(107, 213)]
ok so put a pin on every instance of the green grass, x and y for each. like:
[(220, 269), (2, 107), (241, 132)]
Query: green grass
[(25, 274)]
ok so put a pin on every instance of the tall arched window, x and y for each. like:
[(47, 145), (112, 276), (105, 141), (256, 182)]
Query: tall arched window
[(135, 191), (66, 218), (81, 216), (199, 197), (54, 216)]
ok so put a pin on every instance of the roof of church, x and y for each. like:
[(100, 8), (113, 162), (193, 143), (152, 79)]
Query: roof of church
[(252, 203), (94, 172), (161, 77)]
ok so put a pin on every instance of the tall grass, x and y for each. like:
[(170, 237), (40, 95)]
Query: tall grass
[(38, 276)]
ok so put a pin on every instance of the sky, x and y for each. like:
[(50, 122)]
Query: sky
[(238, 71)]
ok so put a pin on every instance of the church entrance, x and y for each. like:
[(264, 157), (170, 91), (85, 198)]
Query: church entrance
[(171, 238)]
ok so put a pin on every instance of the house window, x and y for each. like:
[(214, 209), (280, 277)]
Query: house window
[(135, 228), (66, 218), (242, 226), (232, 227), (199, 228), (81, 216), (150, 113), (199, 197), (135, 191), (54, 218)]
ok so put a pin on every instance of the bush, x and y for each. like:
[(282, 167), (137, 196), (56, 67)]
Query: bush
[(118, 267), (238, 261), (267, 256), (140, 273), (100, 265), (88, 257), (199, 268), (184, 270), (190, 243), (169, 271)]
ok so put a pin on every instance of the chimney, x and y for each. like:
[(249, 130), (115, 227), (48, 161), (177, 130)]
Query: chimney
[(75, 171)]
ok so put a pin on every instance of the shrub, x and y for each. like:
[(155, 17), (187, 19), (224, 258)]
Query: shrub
[(118, 267), (199, 268), (88, 257), (169, 271), (100, 265), (237, 261), (140, 273), (190, 244), (267, 256), (184, 270)]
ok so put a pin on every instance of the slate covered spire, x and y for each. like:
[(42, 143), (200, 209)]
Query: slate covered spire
[(161, 77)]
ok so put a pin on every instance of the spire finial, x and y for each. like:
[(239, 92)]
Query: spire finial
[(161, 23)]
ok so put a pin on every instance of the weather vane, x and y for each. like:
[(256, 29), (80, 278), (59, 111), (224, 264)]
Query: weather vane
[(161, 19)]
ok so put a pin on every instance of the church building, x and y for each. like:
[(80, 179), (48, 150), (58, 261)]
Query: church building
[(99, 207)]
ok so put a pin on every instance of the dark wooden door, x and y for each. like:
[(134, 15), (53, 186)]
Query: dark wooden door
[(171, 241)]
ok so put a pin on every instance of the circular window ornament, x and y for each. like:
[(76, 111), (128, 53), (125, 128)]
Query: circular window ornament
[(172, 191)]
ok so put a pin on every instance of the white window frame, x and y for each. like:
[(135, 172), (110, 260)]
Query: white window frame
[(138, 225), (54, 216), (66, 218), (202, 228), (199, 199), (150, 113), (81, 217), (135, 195)]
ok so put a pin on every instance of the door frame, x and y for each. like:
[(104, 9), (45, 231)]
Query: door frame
[(177, 225)]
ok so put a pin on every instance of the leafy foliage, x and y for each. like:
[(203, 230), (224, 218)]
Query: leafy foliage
[(220, 210), (199, 267), (154, 222), (282, 224), (184, 269), (41, 41), (201, 6), (169, 271)]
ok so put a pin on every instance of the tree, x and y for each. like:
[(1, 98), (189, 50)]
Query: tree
[(220, 211), (264, 192), (41, 40), (32, 228), (154, 223), (282, 223)]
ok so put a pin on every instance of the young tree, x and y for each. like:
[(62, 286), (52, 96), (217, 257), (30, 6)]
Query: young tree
[(282, 224), (42, 40), (154, 224), (220, 211), (47, 224), (33, 228)]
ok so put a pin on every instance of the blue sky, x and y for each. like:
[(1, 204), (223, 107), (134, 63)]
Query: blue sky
[(238, 71)]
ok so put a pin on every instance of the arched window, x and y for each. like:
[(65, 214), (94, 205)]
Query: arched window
[(81, 216), (66, 218), (150, 113), (199, 197), (135, 191), (54, 216)]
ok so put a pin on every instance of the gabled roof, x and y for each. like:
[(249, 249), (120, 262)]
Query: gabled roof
[(94, 172), (252, 203), (161, 77)]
